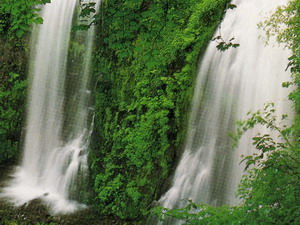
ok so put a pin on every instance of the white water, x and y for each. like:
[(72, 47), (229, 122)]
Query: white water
[(229, 84), (57, 130)]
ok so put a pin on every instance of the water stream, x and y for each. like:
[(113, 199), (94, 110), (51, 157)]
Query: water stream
[(228, 85), (58, 122)]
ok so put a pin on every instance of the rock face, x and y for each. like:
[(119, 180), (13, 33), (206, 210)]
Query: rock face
[(35, 212)]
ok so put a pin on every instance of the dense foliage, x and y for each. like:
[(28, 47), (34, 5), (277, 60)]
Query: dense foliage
[(13, 71), (16, 18), (12, 96), (145, 64), (270, 191)]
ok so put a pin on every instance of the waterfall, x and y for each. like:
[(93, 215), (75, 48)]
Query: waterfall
[(58, 122), (229, 84)]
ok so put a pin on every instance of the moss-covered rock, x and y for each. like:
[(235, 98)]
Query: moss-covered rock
[(145, 63)]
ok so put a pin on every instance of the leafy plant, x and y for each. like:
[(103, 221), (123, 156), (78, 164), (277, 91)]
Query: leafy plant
[(222, 44), (17, 16), (87, 15), (13, 87)]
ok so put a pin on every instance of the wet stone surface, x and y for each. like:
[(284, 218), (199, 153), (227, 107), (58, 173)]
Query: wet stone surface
[(35, 212)]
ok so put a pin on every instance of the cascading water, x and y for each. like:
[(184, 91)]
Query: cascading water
[(58, 127), (229, 84)]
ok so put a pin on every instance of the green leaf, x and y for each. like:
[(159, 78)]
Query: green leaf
[(231, 6), (38, 20)]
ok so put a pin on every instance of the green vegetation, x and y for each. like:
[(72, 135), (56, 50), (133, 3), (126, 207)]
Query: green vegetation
[(145, 63), (13, 83), (17, 16)]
